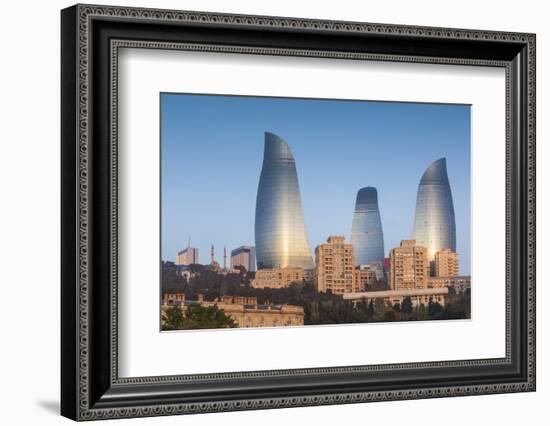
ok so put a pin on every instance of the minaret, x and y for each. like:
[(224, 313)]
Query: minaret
[(212, 254), (224, 259)]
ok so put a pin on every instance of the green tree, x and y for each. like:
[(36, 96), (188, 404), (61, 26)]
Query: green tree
[(406, 306), (198, 316), (370, 310), (173, 319), (435, 310)]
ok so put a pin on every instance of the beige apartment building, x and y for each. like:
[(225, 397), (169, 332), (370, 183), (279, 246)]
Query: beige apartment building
[(409, 266), (365, 278), (335, 266), (446, 263), (278, 278), (245, 311)]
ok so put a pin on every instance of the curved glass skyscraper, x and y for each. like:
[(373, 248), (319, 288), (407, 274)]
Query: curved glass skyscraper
[(366, 229), (434, 222), (281, 238)]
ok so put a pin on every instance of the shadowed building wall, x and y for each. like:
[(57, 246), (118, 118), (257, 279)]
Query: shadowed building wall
[(434, 223), (366, 229), (280, 232)]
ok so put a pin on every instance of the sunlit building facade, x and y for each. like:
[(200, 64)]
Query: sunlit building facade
[(278, 278), (366, 229), (335, 270), (434, 223), (409, 266), (244, 256), (280, 232), (446, 263), (188, 256)]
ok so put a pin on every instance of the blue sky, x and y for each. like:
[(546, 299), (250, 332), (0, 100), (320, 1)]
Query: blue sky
[(212, 151)]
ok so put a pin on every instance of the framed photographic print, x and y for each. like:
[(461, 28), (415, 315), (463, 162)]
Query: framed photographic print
[(263, 212)]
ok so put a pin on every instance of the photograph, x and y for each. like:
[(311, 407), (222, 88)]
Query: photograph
[(281, 212), (264, 209)]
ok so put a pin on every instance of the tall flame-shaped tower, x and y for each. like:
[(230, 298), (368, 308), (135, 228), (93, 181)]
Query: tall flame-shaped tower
[(280, 232)]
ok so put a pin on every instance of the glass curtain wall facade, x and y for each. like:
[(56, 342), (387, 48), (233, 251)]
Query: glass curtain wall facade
[(434, 223), (280, 232), (366, 229)]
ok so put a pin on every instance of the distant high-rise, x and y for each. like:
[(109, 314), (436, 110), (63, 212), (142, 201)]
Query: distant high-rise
[(280, 232), (187, 256), (366, 229), (434, 223), (244, 256)]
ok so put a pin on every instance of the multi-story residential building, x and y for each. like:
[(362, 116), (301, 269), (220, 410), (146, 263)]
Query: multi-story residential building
[(409, 266), (188, 256), (245, 311), (278, 278), (445, 263), (280, 231), (244, 256), (335, 266)]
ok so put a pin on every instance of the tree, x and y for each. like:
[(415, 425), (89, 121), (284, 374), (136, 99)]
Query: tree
[(198, 316), (389, 315), (370, 310), (173, 319), (241, 269), (406, 306), (420, 312), (435, 310)]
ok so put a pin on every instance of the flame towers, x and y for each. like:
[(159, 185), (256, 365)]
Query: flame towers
[(280, 232), (434, 223), (366, 229)]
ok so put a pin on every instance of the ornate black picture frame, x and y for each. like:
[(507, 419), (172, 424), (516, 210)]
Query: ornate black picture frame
[(90, 38)]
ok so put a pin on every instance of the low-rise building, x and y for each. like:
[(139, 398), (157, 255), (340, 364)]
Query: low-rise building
[(459, 283), (417, 296), (368, 275), (173, 298), (245, 311), (278, 278), (184, 271), (365, 278)]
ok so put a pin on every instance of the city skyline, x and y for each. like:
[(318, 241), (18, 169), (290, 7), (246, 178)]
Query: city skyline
[(433, 130)]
